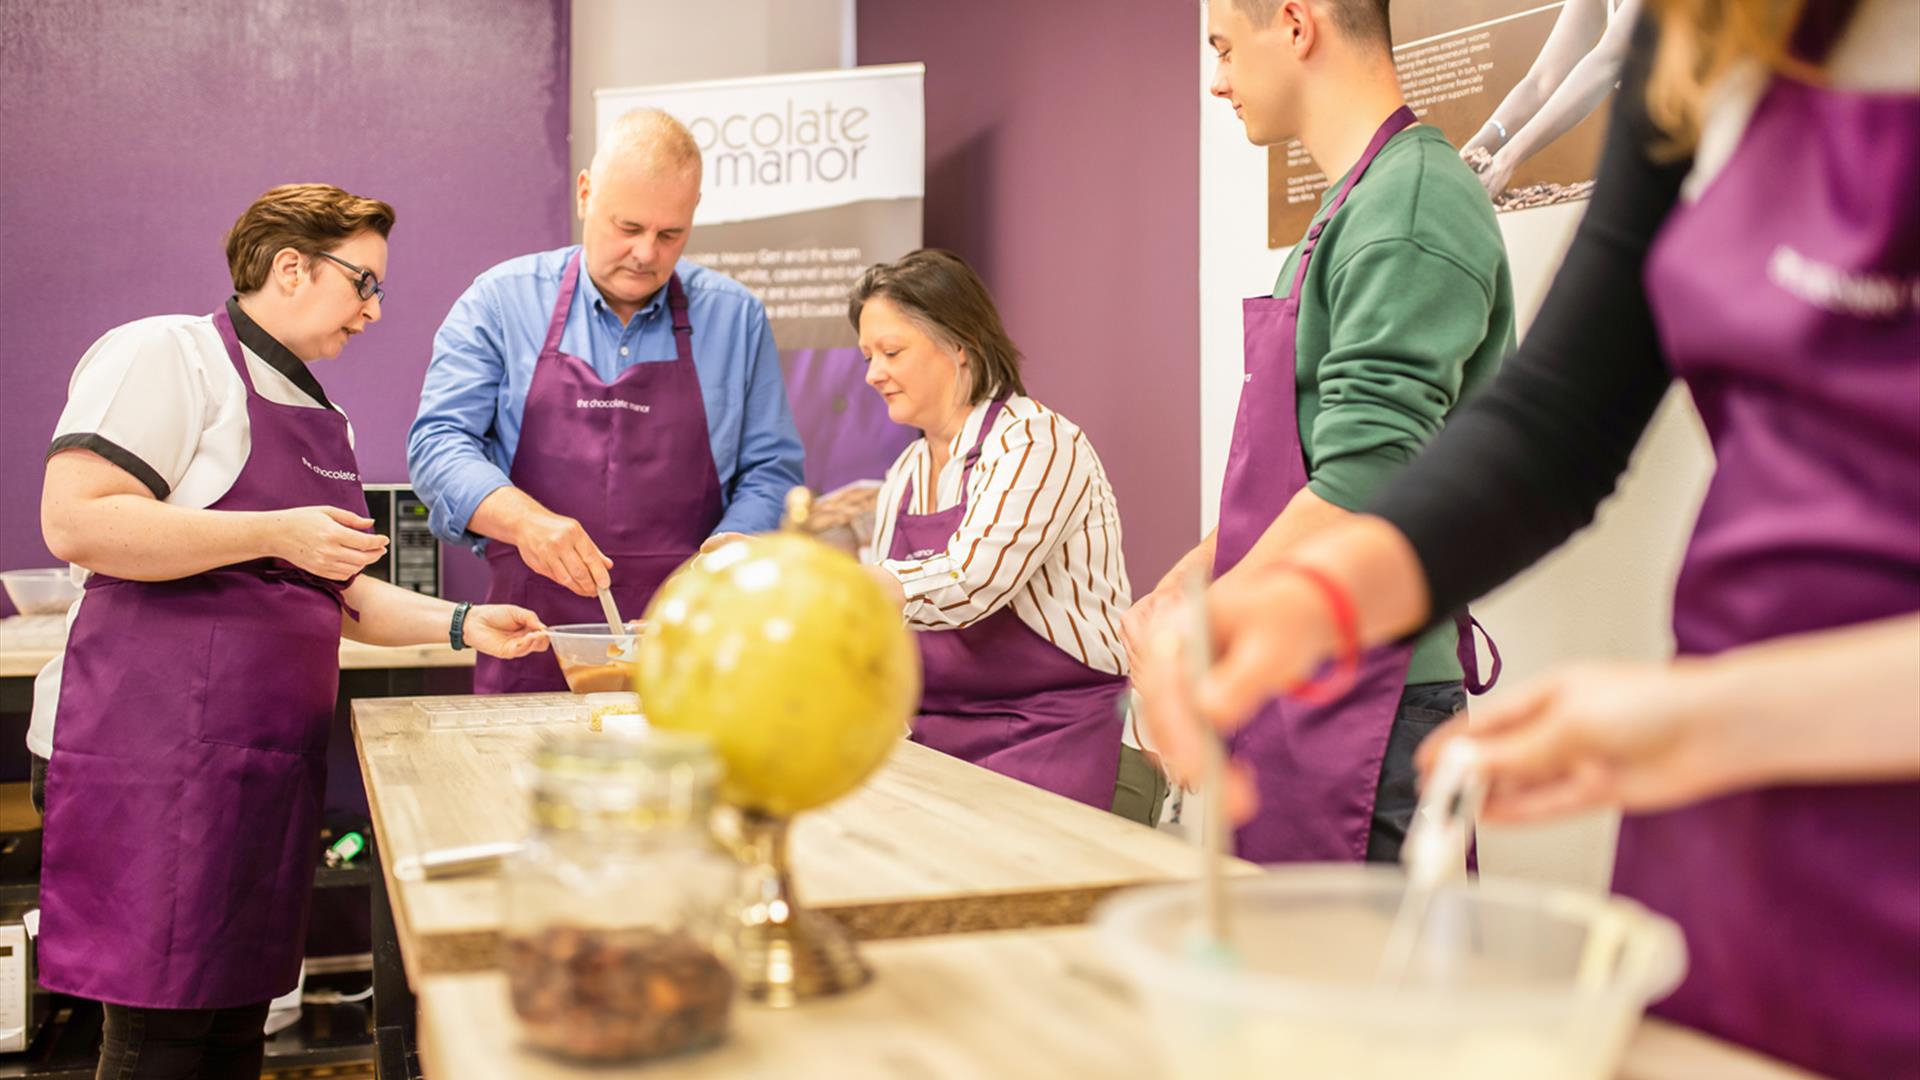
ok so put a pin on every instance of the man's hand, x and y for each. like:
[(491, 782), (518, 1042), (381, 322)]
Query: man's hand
[(558, 549)]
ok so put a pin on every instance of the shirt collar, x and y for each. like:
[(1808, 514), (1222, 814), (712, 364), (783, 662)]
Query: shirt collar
[(599, 303), (277, 356)]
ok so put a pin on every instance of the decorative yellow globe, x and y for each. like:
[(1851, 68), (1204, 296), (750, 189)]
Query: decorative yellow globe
[(791, 659)]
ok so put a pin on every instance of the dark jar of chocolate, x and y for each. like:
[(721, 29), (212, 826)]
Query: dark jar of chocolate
[(619, 913)]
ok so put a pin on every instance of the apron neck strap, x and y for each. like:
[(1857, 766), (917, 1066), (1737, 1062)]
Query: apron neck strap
[(223, 322), (557, 325), (1401, 119), (570, 283), (682, 326), (967, 463)]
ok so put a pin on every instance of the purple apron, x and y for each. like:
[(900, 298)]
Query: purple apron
[(629, 460), (184, 791), (1001, 696), (1316, 766), (1785, 297)]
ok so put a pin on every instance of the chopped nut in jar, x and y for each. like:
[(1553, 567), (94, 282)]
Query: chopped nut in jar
[(599, 706), (610, 995)]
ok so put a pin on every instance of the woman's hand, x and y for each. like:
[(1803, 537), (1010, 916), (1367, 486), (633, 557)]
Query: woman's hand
[(1498, 173), (1486, 140), (504, 631), (325, 541), (844, 507), (1270, 631), (1637, 736), (1143, 621), (888, 582)]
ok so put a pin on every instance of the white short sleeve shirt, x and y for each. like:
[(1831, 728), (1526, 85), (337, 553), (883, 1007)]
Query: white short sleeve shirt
[(159, 398)]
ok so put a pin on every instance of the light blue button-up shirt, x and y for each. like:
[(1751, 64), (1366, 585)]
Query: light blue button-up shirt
[(461, 446)]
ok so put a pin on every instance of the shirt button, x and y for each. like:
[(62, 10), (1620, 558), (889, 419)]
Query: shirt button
[(623, 350)]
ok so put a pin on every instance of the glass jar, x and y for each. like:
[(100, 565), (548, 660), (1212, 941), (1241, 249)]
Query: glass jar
[(619, 913)]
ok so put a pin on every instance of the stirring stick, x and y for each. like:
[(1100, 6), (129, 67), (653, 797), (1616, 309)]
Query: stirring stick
[(1435, 849), (614, 625), (1196, 657)]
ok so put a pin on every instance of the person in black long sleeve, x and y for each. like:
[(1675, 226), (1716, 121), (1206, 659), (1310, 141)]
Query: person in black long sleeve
[(1545, 443), (1752, 233)]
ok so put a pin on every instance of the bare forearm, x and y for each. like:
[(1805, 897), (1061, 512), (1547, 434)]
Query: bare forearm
[(1201, 557), (1584, 89), (1834, 706), (390, 615), (500, 515), (1371, 562), (1305, 514), (142, 539), (1577, 27)]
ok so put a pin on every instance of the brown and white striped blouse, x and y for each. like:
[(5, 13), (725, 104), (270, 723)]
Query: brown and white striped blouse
[(1041, 533)]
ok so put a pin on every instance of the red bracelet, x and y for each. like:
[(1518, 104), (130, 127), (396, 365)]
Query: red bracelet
[(1334, 684)]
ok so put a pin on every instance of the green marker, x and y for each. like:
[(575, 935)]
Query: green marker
[(345, 849)]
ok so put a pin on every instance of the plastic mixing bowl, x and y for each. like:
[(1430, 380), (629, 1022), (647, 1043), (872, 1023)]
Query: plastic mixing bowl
[(40, 592), (594, 659), (1510, 981)]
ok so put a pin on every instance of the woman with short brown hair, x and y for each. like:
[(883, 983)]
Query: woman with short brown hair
[(205, 490)]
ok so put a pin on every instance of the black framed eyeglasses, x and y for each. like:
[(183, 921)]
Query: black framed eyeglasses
[(363, 281)]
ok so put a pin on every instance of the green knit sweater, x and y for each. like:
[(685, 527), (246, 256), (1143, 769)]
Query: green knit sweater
[(1407, 308)]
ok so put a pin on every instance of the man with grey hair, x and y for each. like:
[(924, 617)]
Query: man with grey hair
[(593, 415)]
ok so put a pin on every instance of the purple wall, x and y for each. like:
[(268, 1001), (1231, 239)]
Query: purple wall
[(135, 133), (1063, 163)]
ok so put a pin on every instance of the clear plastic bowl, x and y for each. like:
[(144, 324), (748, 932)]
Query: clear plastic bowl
[(594, 659), (40, 592), (1509, 980)]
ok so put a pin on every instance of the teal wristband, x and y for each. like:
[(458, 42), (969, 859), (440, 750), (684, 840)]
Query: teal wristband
[(455, 635)]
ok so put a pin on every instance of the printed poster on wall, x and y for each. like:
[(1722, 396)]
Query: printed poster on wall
[(809, 179), (1547, 71)]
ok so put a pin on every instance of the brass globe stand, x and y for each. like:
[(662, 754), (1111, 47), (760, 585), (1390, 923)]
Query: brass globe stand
[(787, 954), (795, 663)]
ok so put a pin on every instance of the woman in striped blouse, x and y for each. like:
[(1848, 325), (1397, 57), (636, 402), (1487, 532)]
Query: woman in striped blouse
[(998, 532)]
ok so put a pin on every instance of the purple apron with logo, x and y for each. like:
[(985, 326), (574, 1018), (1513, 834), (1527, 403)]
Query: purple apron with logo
[(1001, 696), (1786, 298), (629, 460), (1316, 767), (184, 791)]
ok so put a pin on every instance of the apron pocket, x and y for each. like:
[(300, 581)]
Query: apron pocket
[(109, 873), (246, 860), (269, 689)]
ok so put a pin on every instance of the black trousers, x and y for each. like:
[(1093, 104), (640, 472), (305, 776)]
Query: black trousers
[(174, 1044), (183, 1044), (1423, 708)]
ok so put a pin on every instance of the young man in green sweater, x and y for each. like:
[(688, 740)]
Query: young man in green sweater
[(1404, 308)]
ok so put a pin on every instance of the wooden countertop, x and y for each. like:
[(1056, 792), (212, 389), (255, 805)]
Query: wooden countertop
[(1035, 1003), (27, 642), (930, 845)]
